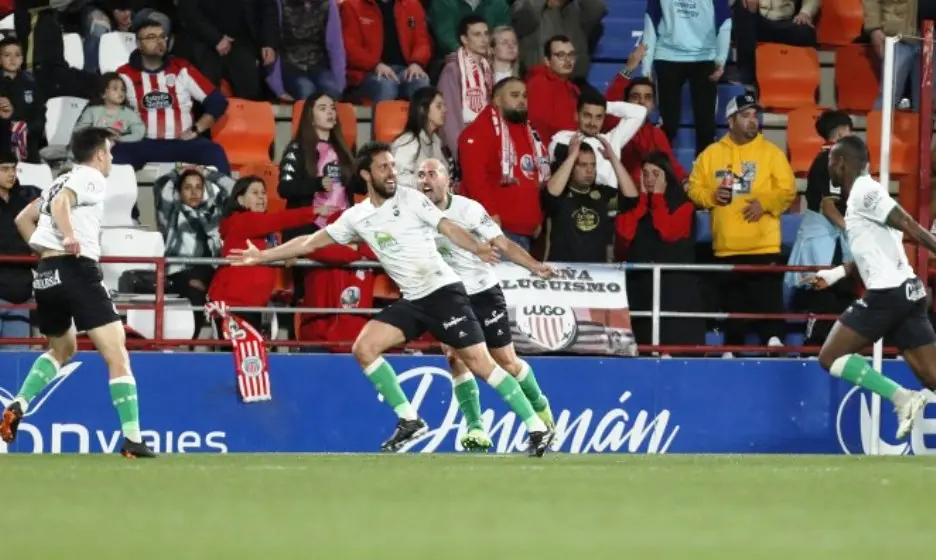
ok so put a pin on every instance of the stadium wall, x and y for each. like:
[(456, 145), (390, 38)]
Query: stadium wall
[(323, 403)]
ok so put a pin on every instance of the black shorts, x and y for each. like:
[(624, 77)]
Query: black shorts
[(446, 313), (69, 288), (491, 309), (897, 314)]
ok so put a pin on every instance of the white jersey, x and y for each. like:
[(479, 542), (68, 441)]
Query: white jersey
[(475, 273), (402, 234), (89, 185), (876, 247)]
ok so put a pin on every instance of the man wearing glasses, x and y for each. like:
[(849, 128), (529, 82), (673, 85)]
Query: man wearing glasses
[(552, 94)]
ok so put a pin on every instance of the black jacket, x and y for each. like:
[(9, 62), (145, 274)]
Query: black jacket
[(15, 279), (29, 106), (200, 17)]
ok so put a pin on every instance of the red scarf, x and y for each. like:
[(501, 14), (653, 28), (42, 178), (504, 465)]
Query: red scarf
[(250, 354), (508, 152)]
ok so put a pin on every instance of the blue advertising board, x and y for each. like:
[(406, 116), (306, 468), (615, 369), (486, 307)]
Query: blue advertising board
[(323, 403)]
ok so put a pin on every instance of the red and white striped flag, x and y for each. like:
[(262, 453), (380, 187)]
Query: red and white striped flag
[(250, 354)]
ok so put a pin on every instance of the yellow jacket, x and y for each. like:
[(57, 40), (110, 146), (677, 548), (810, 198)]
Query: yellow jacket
[(761, 172)]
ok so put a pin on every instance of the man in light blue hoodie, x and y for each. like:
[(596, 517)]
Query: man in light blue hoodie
[(687, 40)]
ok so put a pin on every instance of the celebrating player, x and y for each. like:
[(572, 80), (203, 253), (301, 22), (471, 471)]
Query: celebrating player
[(65, 229), (486, 299), (895, 303), (400, 226)]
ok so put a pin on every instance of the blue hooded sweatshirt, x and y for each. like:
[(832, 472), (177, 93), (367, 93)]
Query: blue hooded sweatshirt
[(686, 31)]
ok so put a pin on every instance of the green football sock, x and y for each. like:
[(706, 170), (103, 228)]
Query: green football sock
[(509, 390), (43, 371), (531, 388), (855, 369), (469, 400), (384, 379), (124, 396)]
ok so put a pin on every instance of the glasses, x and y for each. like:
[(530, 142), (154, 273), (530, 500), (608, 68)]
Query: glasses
[(564, 55)]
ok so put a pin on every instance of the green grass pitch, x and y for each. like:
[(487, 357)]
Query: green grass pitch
[(465, 506)]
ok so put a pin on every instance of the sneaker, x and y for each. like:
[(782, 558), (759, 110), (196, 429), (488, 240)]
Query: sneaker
[(405, 432), (476, 440), (540, 443), (134, 450), (546, 416), (10, 422), (907, 414)]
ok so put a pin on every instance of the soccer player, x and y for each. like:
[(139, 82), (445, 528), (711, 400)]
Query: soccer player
[(65, 229), (400, 226), (895, 304), (486, 299)]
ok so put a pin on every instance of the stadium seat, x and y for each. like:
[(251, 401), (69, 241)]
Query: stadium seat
[(617, 42), (269, 172), (389, 119), (384, 287), (347, 118), (803, 142), (856, 78), (120, 197), (128, 242), (74, 50), (726, 92), (246, 132), (703, 227), (602, 73), (6, 24), (787, 76), (686, 157), (840, 22), (116, 47), (34, 174), (789, 228), (178, 324), (61, 115), (905, 140)]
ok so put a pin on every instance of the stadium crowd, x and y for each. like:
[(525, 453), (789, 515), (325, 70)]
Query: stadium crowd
[(575, 171)]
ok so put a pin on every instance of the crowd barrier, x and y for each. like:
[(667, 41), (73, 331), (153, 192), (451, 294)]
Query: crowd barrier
[(323, 403)]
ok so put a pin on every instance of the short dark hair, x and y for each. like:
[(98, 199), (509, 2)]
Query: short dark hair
[(9, 40), (468, 21), (147, 24), (503, 83), (585, 148), (641, 81), (590, 97), (191, 172), (854, 150), (366, 155), (87, 141), (828, 121), (547, 48)]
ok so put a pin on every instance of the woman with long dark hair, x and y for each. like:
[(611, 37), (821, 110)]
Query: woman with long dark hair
[(421, 139), (659, 227)]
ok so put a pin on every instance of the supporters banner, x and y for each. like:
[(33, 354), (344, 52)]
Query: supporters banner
[(324, 404), (582, 310)]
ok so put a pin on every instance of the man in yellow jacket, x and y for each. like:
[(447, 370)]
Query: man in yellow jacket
[(747, 183)]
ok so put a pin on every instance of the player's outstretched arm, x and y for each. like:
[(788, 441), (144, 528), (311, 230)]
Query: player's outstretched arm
[(459, 236), (27, 219), (296, 247), (517, 254), (899, 219)]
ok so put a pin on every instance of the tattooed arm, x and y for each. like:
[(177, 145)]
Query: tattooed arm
[(900, 220)]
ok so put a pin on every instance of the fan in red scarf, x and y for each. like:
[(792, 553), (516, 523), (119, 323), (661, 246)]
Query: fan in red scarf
[(250, 353)]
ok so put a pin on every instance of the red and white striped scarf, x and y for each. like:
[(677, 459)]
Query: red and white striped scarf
[(477, 80), (508, 152), (250, 353)]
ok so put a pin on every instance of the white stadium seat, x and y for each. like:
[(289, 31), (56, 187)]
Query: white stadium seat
[(120, 197), (34, 174), (61, 116), (6, 24), (128, 242), (116, 47), (177, 323), (74, 50)]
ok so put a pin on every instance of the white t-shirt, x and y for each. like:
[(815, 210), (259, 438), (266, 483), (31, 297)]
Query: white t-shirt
[(475, 273), (402, 234), (877, 248), (89, 185)]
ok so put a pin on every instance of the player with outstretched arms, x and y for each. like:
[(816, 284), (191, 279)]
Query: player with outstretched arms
[(65, 229), (895, 304), (400, 225), (486, 299)]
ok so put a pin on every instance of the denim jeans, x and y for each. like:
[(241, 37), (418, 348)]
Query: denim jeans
[(14, 323), (95, 23), (301, 84), (520, 240), (383, 89), (906, 65)]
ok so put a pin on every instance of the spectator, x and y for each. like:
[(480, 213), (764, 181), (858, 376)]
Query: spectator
[(420, 138), (447, 18), (22, 110), (883, 18), (111, 110), (770, 21), (227, 39), (162, 88), (747, 183), (104, 16), (505, 53), (659, 227), (245, 218), (15, 279), (577, 206), (388, 47), (466, 80), (312, 57), (590, 117), (820, 240), (504, 164), (188, 213), (553, 96), (687, 43), (535, 21)]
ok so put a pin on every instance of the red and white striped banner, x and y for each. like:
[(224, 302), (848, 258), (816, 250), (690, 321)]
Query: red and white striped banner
[(250, 354)]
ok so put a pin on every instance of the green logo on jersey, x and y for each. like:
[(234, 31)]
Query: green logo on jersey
[(385, 241), (446, 252)]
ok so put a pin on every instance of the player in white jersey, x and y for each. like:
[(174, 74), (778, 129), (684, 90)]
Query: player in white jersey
[(486, 299), (895, 304), (400, 225), (65, 229)]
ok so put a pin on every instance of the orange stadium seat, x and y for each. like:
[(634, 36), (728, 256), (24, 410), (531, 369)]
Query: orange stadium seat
[(246, 132), (788, 77), (905, 142), (347, 118), (840, 22), (803, 141), (269, 172), (856, 78), (389, 120), (384, 288)]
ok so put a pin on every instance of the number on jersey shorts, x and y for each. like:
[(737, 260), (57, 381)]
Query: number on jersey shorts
[(446, 313), (897, 314), (490, 306), (69, 287)]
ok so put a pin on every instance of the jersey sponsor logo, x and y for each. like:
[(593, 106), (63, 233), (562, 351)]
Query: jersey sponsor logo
[(495, 317), (549, 326), (350, 297), (853, 423), (386, 242), (453, 322), (46, 279), (156, 100), (915, 290), (446, 252)]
